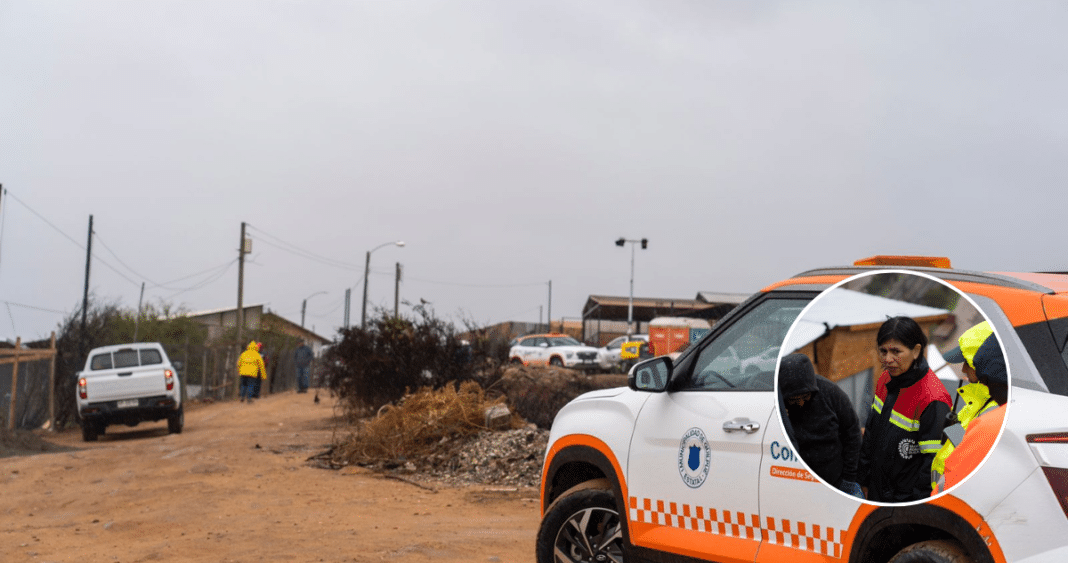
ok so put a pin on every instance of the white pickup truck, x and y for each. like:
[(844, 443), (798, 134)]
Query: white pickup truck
[(128, 384)]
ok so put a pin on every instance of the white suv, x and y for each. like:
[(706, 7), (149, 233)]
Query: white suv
[(555, 350), (691, 464)]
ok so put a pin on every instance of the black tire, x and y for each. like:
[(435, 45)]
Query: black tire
[(176, 421), (934, 551), (556, 361), (516, 361), (582, 525), (89, 433)]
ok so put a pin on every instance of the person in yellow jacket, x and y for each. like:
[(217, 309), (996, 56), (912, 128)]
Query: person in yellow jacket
[(250, 367), (984, 429), (976, 395)]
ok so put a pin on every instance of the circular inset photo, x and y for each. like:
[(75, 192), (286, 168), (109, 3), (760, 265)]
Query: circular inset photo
[(879, 380)]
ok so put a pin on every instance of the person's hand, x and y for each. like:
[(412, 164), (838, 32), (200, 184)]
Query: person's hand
[(852, 488)]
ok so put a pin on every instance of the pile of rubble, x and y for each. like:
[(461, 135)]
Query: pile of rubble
[(504, 458), (462, 436)]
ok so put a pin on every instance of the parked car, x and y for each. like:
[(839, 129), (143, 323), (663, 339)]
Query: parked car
[(128, 384), (555, 350), (689, 463), (610, 357)]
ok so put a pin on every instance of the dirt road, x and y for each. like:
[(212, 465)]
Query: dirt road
[(234, 486)]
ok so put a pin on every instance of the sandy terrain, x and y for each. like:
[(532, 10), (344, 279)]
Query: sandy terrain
[(235, 486)]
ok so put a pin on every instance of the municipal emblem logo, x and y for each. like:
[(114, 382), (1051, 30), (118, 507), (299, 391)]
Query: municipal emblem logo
[(694, 458), (908, 448)]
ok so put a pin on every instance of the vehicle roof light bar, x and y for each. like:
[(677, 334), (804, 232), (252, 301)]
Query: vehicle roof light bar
[(899, 260)]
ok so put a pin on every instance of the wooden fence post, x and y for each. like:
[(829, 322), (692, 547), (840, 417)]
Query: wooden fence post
[(14, 386), (52, 386)]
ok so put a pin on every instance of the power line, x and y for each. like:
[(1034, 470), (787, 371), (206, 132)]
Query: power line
[(124, 265), (206, 281), (477, 285), (294, 249), (9, 303)]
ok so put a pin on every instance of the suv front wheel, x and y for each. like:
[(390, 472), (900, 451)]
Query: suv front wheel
[(581, 525), (934, 551)]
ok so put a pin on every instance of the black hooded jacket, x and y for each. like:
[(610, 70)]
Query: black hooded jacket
[(825, 429)]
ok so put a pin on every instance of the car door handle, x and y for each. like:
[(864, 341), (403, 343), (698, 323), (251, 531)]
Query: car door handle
[(125, 373), (741, 424)]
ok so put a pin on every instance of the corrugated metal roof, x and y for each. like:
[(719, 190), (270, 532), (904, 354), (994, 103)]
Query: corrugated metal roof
[(720, 297), (845, 307)]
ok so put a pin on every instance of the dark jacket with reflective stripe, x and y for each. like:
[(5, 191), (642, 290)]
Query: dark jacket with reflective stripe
[(902, 434)]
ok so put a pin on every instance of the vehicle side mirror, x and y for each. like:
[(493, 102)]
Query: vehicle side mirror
[(651, 375)]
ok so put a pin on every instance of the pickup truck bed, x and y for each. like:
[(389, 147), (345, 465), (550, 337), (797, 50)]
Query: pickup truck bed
[(128, 384)]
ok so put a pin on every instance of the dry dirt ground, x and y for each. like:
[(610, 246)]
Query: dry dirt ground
[(235, 486)]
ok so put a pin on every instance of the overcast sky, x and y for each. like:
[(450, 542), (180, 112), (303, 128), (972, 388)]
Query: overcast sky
[(510, 143)]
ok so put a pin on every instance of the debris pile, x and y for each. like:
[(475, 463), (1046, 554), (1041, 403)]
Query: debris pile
[(416, 428), (446, 435)]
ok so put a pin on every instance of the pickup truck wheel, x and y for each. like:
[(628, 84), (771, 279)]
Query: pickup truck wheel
[(89, 432), (934, 551), (581, 526), (556, 361), (176, 421)]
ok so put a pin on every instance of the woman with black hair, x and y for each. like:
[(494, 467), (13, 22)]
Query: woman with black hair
[(904, 427)]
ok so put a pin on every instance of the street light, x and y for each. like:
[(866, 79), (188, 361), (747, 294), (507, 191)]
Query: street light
[(304, 306), (630, 304), (366, 270)]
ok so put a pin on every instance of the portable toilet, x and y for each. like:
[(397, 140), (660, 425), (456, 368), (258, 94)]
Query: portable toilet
[(668, 334)]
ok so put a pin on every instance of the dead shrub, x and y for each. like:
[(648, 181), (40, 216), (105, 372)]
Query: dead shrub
[(416, 426), (536, 393)]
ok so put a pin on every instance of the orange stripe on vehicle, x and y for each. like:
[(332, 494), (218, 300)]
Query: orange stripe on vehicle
[(1056, 306), (1021, 306), (961, 508), (712, 532), (1056, 282), (792, 473), (582, 440), (817, 280)]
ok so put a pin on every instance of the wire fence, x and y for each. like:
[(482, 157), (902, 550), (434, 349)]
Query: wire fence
[(26, 376)]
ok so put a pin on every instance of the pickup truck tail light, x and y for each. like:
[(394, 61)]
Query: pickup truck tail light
[(168, 376), (82, 391), (1057, 476)]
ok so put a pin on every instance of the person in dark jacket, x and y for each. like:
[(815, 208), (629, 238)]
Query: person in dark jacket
[(826, 431), (904, 426), (302, 358)]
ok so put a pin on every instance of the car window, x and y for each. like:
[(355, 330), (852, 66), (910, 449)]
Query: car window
[(126, 358), (732, 361), (616, 342), (101, 361), (151, 357), (564, 341), (528, 342)]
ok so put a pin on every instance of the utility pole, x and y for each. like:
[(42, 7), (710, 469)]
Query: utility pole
[(85, 294), (396, 292), (549, 317), (348, 299), (241, 285), (137, 319), (630, 302)]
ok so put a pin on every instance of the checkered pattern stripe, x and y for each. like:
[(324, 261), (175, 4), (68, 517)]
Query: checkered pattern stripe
[(798, 535)]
